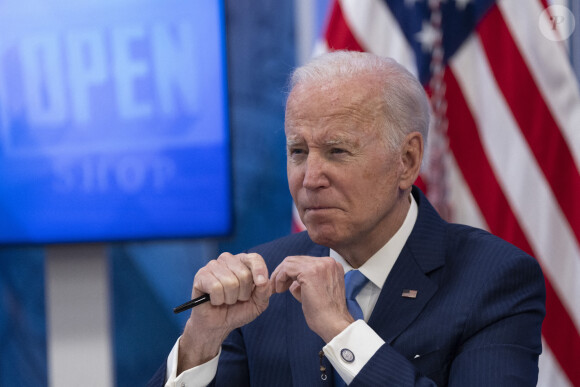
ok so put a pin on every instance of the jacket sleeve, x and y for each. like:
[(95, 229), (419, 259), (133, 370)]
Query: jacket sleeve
[(233, 364), (158, 380), (502, 338)]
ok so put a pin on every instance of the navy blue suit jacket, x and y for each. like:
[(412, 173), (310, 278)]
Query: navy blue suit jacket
[(476, 320)]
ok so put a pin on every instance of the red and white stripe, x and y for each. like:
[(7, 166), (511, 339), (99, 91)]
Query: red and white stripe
[(514, 136)]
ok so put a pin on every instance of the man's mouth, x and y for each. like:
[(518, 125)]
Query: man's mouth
[(318, 208)]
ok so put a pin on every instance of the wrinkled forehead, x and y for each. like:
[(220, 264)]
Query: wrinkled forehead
[(339, 104), (361, 86)]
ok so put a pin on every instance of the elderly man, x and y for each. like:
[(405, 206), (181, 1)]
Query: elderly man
[(424, 302)]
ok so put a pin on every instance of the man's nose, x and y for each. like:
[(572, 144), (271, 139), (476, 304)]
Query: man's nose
[(315, 174)]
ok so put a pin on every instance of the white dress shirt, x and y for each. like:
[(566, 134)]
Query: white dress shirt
[(358, 337)]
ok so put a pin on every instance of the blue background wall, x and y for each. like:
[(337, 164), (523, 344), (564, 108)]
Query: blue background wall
[(148, 278), (260, 54)]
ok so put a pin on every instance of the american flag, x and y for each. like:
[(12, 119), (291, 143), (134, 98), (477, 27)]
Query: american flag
[(505, 140)]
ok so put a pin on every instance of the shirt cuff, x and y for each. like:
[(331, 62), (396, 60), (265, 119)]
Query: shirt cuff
[(199, 376), (352, 348)]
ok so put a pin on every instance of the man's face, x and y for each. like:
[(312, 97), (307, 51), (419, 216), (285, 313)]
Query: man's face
[(344, 181)]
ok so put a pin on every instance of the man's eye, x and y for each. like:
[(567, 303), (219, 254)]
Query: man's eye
[(337, 151), (295, 152)]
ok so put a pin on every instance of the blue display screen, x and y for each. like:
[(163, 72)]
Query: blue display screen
[(113, 120)]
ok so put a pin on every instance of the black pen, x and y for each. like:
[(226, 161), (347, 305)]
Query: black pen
[(191, 303)]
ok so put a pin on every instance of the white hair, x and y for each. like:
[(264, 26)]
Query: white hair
[(407, 107)]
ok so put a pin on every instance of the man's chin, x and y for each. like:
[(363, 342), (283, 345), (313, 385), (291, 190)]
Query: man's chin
[(322, 237)]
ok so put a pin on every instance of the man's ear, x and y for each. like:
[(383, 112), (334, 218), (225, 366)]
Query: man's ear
[(411, 157)]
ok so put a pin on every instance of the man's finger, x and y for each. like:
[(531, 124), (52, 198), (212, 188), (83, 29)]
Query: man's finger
[(295, 290), (242, 272), (287, 272), (205, 282), (228, 280), (257, 266), (282, 281), (262, 295)]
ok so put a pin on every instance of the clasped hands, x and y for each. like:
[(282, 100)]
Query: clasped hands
[(240, 290)]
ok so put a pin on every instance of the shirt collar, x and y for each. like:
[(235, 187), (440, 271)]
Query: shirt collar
[(378, 267)]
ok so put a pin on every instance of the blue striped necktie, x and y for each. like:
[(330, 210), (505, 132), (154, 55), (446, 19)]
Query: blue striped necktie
[(354, 281)]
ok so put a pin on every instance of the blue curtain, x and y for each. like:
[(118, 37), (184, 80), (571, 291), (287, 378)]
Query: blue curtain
[(22, 318)]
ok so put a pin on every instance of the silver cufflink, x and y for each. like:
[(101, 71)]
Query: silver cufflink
[(347, 355)]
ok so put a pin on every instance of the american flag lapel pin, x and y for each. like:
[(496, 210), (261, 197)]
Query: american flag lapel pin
[(409, 293)]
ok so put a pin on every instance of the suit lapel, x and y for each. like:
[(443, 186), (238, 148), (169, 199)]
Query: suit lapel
[(394, 312), (423, 253)]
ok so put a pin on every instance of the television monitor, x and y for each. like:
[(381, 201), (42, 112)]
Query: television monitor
[(113, 121)]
